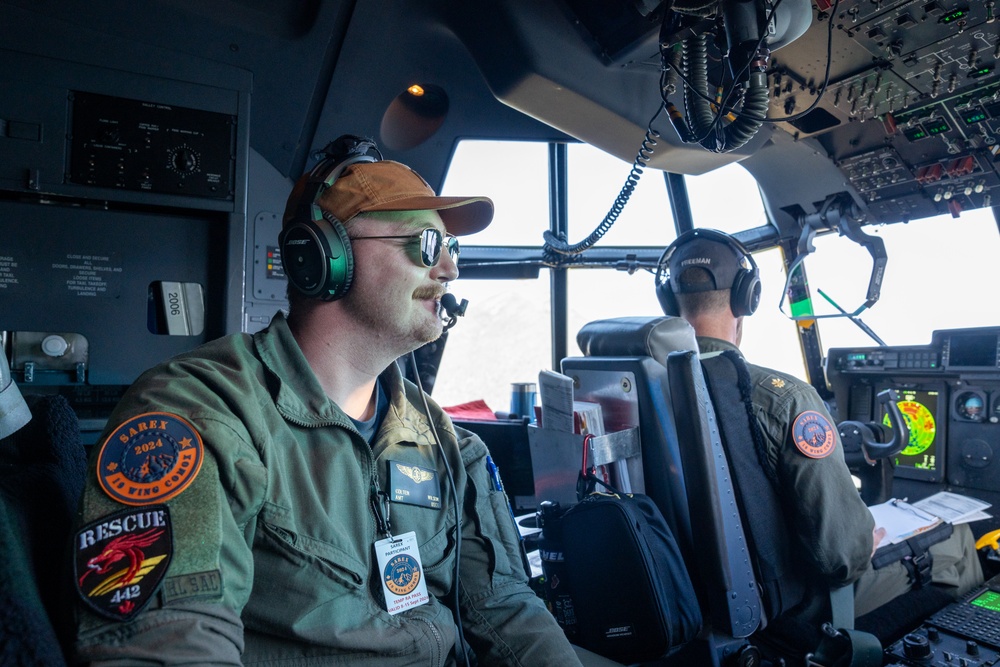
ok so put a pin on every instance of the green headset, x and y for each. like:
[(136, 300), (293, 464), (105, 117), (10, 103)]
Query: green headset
[(315, 249), (745, 290)]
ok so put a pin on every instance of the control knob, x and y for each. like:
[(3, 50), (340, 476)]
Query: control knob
[(183, 160), (916, 646)]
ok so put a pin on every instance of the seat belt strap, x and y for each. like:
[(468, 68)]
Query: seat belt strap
[(842, 606)]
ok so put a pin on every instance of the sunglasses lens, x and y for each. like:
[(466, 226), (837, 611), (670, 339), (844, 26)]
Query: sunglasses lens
[(430, 246), (453, 248)]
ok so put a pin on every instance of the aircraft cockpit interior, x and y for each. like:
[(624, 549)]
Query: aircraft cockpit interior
[(147, 151)]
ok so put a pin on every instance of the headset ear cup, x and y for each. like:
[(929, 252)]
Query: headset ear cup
[(341, 264), (745, 293), (668, 300), (318, 258), (315, 249), (753, 294)]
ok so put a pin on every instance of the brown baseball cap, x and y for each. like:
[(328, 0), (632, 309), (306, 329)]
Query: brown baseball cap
[(391, 186)]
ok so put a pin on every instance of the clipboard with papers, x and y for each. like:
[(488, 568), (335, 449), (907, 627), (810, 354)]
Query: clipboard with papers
[(902, 520)]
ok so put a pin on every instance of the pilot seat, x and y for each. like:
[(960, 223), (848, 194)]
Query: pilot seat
[(698, 461)]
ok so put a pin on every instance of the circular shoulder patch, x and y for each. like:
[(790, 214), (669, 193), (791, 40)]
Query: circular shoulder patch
[(813, 434), (150, 458)]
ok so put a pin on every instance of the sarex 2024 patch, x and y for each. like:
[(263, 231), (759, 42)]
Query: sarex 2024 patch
[(120, 559), (149, 458)]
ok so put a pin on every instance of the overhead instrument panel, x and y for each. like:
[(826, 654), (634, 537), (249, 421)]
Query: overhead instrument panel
[(151, 147), (911, 112)]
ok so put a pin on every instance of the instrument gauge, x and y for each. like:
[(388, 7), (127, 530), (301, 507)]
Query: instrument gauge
[(970, 406)]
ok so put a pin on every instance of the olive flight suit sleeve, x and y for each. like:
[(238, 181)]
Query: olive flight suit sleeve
[(194, 616), (830, 522), (504, 621)]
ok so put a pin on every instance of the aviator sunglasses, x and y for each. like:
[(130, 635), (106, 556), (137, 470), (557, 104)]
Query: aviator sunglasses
[(431, 240)]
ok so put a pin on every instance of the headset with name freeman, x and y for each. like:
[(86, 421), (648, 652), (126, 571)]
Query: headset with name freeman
[(745, 288), (315, 249)]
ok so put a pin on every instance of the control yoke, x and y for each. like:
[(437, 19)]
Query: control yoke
[(869, 448), (870, 437)]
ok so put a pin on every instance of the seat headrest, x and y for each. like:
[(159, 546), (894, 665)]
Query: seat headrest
[(654, 337)]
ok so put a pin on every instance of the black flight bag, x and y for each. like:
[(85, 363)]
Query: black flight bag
[(632, 596)]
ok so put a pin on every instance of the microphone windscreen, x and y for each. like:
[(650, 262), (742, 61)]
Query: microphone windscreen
[(449, 302)]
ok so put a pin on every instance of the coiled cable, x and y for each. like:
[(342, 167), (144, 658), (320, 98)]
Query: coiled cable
[(556, 247)]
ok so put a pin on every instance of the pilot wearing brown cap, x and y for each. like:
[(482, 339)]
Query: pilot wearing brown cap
[(287, 497)]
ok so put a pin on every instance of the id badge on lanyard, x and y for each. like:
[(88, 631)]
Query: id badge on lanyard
[(402, 574)]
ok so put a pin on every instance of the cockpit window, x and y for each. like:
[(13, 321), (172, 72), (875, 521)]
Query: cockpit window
[(940, 274), (595, 182), (514, 174), (769, 338), (726, 199), (506, 336)]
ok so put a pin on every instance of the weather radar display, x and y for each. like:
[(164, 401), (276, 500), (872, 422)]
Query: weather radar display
[(921, 423)]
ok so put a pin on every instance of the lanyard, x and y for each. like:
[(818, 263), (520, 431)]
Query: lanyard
[(380, 508)]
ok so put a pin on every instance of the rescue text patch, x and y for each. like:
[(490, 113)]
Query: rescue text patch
[(150, 458), (813, 434), (120, 559)]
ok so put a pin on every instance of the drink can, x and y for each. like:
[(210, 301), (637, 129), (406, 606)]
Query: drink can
[(522, 399)]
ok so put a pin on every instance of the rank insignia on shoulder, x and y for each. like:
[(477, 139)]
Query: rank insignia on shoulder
[(119, 560), (150, 458), (774, 385), (813, 434)]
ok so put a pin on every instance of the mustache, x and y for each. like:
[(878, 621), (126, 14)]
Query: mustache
[(429, 293)]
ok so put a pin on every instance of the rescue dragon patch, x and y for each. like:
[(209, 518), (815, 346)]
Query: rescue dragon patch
[(120, 559)]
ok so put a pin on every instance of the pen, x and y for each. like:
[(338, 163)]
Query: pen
[(494, 474), (491, 468), (903, 505)]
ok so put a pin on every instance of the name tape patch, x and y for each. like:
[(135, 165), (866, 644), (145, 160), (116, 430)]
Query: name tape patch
[(120, 559), (414, 485), (206, 584), (813, 434), (150, 458)]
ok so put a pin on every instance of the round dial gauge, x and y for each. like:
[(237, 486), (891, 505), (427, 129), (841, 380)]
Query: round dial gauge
[(970, 406)]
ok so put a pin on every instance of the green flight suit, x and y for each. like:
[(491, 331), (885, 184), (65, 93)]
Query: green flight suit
[(273, 557), (834, 528)]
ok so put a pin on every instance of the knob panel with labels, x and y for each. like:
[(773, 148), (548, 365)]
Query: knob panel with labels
[(151, 147)]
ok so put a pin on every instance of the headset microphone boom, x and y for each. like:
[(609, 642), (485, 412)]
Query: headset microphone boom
[(453, 309)]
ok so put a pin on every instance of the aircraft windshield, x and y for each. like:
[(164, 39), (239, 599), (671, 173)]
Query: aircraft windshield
[(938, 273), (941, 274)]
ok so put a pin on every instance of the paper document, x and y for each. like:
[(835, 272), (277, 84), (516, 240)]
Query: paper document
[(588, 418), (901, 520), (953, 507), (555, 391)]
